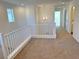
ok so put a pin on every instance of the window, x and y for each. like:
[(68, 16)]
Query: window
[(57, 18), (10, 15)]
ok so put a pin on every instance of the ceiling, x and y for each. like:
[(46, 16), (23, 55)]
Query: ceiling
[(36, 1)]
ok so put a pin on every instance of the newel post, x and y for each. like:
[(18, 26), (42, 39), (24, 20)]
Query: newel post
[(3, 46)]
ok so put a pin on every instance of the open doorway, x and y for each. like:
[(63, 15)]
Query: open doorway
[(72, 18), (57, 17), (65, 18)]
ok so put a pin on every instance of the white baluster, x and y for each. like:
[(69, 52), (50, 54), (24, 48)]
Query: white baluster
[(3, 46)]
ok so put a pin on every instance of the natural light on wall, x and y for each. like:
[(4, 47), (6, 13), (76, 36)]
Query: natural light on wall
[(10, 15)]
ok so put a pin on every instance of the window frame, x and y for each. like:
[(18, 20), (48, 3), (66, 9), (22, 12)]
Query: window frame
[(10, 15)]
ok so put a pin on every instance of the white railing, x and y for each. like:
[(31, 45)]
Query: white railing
[(46, 29), (13, 39)]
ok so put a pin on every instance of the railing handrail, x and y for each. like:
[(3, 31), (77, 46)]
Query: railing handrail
[(16, 30), (19, 29)]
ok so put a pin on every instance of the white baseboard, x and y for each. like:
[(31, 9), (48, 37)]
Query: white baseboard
[(76, 38), (19, 48), (43, 36)]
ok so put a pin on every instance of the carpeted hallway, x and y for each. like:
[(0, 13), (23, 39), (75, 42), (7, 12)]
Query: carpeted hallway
[(63, 47)]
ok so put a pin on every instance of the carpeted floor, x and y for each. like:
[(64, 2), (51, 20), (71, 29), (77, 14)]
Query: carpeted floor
[(1, 55), (63, 47)]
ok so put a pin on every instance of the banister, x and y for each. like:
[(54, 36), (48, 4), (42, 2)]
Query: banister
[(3, 46), (12, 38)]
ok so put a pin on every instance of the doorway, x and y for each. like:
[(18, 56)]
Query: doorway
[(72, 18), (65, 18), (57, 18)]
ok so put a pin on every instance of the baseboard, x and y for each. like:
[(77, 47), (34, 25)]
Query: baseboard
[(20, 47), (44, 36), (77, 39)]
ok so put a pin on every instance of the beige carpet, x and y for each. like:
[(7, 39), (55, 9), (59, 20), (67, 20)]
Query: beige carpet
[(64, 47), (1, 55)]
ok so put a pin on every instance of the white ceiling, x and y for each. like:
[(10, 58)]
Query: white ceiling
[(36, 1)]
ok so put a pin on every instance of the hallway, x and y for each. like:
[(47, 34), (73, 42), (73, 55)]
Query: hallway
[(64, 47), (34, 22)]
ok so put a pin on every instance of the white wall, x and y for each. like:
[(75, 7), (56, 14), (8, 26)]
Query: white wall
[(76, 22), (68, 19), (45, 11), (23, 16), (31, 18), (19, 14), (4, 24), (30, 15)]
